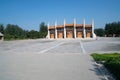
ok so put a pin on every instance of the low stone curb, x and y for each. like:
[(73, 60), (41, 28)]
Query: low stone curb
[(107, 75)]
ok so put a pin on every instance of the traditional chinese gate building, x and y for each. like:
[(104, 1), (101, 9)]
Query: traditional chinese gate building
[(1, 37), (71, 30)]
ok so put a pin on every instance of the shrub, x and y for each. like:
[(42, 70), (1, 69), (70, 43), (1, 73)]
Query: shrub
[(112, 62), (113, 65)]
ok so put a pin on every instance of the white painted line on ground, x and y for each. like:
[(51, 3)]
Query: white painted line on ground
[(82, 47), (64, 54), (45, 50)]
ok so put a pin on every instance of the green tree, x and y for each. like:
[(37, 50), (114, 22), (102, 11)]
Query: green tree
[(33, 34), (2, 28), (43, 30), (13, 32), (112, 29), (99, 32)]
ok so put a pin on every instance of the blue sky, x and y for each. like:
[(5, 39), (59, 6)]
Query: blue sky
[(28, 14)]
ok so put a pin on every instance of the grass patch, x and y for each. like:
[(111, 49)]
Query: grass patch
[(112, 62), (104, 57)]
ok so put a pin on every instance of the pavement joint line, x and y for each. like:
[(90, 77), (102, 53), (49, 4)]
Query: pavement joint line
[(82, 47), (64, 54), (45, 50)]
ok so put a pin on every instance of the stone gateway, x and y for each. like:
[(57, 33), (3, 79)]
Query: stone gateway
[(71, 30)]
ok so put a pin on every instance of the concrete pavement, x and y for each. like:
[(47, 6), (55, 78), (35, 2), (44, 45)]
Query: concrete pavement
[(52, 59)]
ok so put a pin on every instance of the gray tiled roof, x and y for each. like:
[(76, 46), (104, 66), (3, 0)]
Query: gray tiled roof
[(1, 34)]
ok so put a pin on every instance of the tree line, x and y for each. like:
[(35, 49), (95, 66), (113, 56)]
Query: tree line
[(110, 30), (12, 32)]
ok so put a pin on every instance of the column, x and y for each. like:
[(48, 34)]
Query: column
[(64, 29), (92, 28), (3, 38), (74, 28), (84, 31), (56, 29), (48, 31)]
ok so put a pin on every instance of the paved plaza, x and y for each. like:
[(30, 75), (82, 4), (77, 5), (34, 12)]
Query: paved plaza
[(44, 59)]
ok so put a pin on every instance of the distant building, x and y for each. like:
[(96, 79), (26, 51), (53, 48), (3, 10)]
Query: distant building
[(1, 37), (71, 30)]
